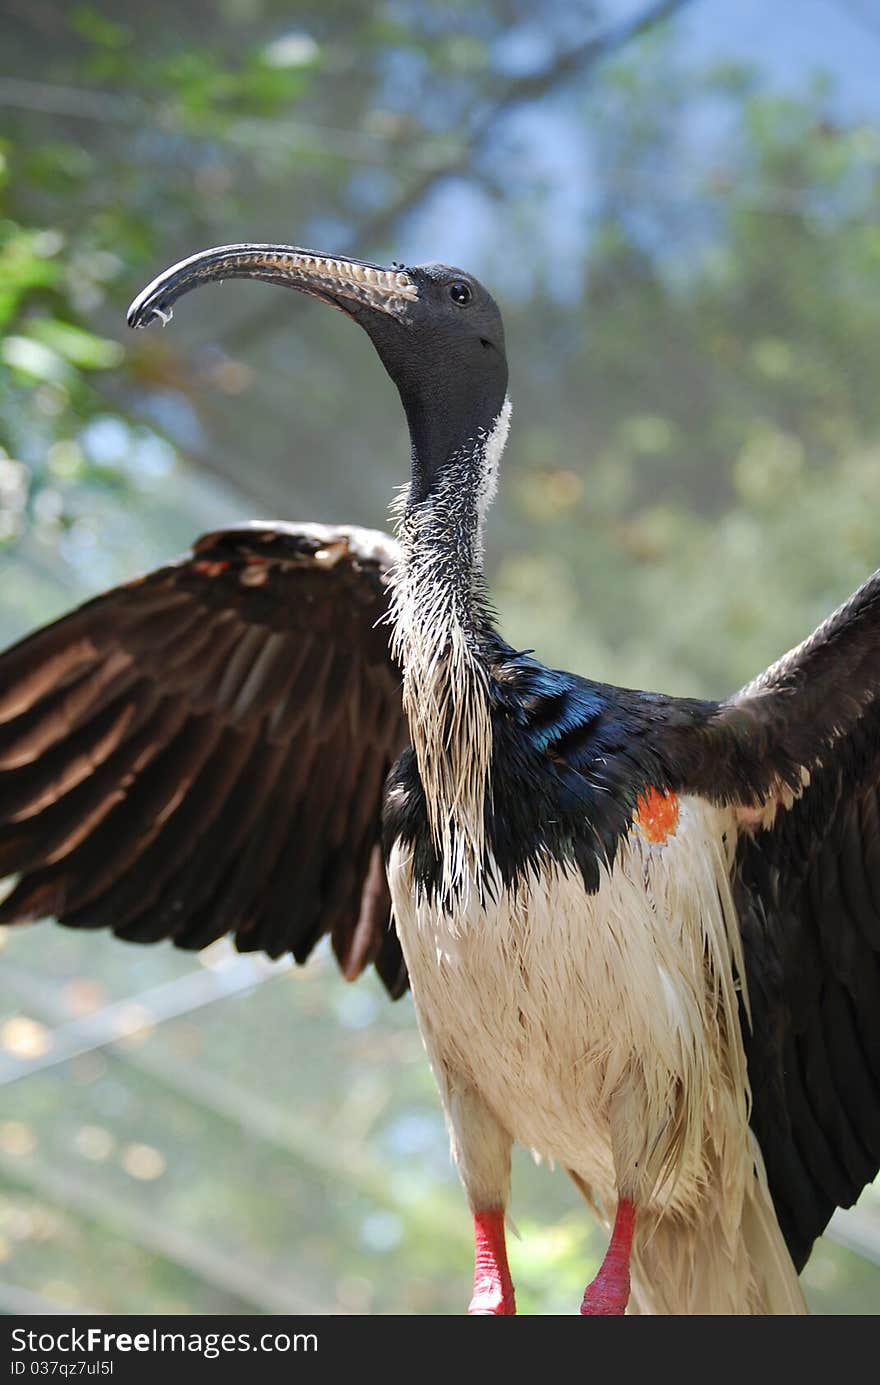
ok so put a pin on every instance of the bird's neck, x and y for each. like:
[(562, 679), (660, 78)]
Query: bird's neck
[(442, 632)]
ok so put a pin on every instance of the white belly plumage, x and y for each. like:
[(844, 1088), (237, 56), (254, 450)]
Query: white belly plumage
[(601, 1030)]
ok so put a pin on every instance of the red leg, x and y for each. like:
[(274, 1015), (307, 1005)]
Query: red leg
[(609, 1292), (493, 1286)]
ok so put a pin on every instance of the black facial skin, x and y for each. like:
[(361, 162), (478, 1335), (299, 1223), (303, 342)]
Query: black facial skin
[(448, 362)]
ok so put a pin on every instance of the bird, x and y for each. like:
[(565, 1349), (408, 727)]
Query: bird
[(641, 932)]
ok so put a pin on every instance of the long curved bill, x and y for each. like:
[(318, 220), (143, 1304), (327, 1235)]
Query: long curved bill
[(344, 283)]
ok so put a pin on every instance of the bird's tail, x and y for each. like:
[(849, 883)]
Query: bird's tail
[(703, 1266)]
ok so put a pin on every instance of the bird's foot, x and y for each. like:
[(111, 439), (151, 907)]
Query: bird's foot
[(495, 1304), (493, 1287), (608, 1294)]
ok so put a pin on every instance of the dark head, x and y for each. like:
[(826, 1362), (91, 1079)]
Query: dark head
[(437, 330)]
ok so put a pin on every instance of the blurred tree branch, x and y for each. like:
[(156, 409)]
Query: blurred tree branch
[(579, 60), (303, 1141), (231, 1274)]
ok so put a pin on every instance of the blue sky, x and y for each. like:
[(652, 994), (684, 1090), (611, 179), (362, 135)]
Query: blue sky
[(790, 39), (787, 41)]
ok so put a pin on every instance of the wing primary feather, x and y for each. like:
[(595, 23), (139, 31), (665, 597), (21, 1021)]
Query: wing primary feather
[(133, 892), (196, 891), (139, 811), (41, 665), (250, 817), (356, 947), (26, 738), (55, 831), (253, 895), (202, 751)]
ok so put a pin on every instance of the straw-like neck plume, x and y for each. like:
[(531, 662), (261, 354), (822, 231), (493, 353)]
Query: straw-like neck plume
[(441, 619)]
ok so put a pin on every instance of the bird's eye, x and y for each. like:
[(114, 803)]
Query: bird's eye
[(460, 294)]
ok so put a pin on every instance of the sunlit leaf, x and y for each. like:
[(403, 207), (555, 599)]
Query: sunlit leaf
[(75, 344)]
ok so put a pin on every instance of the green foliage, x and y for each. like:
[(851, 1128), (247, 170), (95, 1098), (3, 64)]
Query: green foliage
[(722, 413)]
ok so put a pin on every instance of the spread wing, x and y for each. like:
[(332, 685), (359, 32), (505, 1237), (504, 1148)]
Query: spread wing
[(202, 751), (807, 882)]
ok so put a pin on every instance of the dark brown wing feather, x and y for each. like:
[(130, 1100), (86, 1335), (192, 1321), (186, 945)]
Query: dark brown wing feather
[(202, 751), (807, 884)]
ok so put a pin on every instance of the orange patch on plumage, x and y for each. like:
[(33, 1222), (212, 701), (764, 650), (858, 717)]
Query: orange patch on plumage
[(656, 815)]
